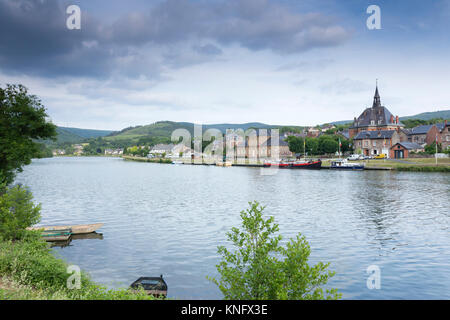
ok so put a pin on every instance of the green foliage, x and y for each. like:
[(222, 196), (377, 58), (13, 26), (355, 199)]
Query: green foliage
[(424, 168), (316, 146), (431, 148), (17, 212), (30, 264), (411, 123), (290, 129), (43, 151), (295, 144), (327, 144), (260, 268), (22, 120)]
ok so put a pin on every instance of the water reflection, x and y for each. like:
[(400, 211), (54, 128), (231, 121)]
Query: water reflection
[(163, 219), (85, 236)]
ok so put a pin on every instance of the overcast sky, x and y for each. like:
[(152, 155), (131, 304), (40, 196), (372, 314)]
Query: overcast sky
[(212, 61)]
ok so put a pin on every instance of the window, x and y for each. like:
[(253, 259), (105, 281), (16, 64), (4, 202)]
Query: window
[(372, 122), (374, 143)]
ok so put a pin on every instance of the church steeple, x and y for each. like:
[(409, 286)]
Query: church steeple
[(376, 98)]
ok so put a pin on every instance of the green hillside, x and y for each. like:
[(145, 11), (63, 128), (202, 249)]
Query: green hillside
[(75, 135), (86, 133), (444, 114), (160, 132), (67, 137)]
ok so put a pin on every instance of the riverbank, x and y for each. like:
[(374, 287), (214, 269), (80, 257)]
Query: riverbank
[(29, 270), (413, 165)]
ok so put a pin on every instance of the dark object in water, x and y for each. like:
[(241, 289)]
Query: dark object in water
[(56, 235), (155, 286)]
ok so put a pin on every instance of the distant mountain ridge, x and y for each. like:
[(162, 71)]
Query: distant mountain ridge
[(161, 131), (444, 114), (76, 135)]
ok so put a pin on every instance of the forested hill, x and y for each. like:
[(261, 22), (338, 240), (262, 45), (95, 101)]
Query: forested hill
[(160, 132), (77, 135)]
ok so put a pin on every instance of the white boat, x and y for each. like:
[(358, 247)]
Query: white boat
[(345, 165)]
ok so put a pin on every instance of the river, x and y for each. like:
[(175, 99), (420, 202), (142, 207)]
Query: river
[(169, 219)]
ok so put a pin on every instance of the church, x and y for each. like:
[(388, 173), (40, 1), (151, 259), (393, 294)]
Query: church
[(376, 130)]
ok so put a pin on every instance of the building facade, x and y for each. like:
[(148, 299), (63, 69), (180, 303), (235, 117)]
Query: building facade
[(426, 134), (445, 136), (375, 118), (402, 149), (372, 143)]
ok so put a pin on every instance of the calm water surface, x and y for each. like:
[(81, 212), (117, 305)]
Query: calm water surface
[(169, 219)]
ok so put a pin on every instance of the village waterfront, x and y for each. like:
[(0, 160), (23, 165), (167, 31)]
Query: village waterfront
[(169, 219)]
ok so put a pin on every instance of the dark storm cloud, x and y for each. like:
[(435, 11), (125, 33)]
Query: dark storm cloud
[(170, 34), (254, 24)]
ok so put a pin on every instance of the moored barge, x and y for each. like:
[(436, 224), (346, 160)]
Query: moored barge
[(312, 164)]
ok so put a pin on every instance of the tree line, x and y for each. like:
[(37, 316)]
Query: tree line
[(324, 144)]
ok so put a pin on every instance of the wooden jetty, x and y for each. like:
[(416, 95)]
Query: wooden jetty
[(75, 229)]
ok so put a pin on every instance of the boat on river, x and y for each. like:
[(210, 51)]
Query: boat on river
[(300, 164), (75, 229), (345, 165), (155, 286), (311, 164), (56, 235)]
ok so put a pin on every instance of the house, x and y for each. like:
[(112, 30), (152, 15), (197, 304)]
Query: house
[(445, 136), (181, 149), (256, 145), (344, 133), (426, 134), (375, 118), (113, 152), (328, 127), (402, 150), (161, 149), (78, 148), (265, 149), (289, 134), (313, 132), (59, 152), (376, 142)]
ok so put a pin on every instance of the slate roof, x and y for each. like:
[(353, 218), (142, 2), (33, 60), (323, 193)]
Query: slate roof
[(409, 145), (425, 128), (268, 142), (379, 114), (345, 134), (381, 134)]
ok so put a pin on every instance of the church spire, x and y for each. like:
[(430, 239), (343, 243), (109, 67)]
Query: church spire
[(376, 98)]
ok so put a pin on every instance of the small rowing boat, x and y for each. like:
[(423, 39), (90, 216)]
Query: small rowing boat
[(155, 286), (76, 229), (56, 235)]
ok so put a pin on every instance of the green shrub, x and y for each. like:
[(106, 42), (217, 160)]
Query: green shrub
[(30, 264), (17, 212), (424, 168), (255, 271)]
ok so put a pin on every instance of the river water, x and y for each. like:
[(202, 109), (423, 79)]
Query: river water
[(169, 219)]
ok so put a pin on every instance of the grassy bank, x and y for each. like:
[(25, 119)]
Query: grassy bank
[(410, 164), (29, 270), (142, 159)]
